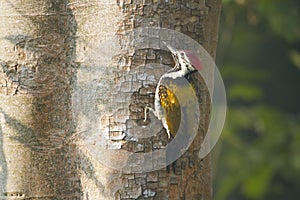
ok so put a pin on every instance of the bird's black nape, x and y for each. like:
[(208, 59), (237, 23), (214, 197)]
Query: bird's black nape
[(189, 74)]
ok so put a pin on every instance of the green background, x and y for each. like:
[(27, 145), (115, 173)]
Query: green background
[(258, 154)]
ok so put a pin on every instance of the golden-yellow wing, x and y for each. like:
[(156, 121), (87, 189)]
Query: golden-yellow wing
[(178, 101), (171, 109)]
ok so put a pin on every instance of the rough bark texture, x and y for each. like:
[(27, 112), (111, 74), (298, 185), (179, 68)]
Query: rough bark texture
[(38, 159), (197, 19)]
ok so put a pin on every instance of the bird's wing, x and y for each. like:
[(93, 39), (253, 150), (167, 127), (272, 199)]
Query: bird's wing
[(171, 108)]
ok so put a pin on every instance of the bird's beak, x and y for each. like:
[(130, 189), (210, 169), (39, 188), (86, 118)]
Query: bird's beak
[(172, 49)]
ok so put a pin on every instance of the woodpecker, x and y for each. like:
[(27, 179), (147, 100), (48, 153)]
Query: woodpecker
[(166, 105)]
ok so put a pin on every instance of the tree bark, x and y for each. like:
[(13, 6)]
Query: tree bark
[(56, 108), (120, 99), (36, 74)]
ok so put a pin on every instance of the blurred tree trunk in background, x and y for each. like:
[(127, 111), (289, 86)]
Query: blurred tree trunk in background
[(37, 78)]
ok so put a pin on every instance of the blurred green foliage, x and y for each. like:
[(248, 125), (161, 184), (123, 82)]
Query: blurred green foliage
[(258, 156)]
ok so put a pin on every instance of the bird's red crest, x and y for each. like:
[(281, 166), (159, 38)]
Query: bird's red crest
[(195, 60)]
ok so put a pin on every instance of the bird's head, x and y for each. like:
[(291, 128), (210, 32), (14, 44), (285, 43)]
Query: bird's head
[(185, 60)]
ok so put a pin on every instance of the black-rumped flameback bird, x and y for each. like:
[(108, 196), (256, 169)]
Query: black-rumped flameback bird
[(167, 107)]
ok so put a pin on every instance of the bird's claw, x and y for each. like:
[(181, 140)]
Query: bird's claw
[(145, 112)]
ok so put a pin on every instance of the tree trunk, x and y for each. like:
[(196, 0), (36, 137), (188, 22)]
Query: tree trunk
[(36, 75), (119, 68), (76, 131)]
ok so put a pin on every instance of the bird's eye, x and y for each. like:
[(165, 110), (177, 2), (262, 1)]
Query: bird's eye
[(182, 54)]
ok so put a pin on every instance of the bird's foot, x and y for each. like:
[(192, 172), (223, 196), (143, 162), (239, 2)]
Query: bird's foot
[(145, 113), (147, 107)]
